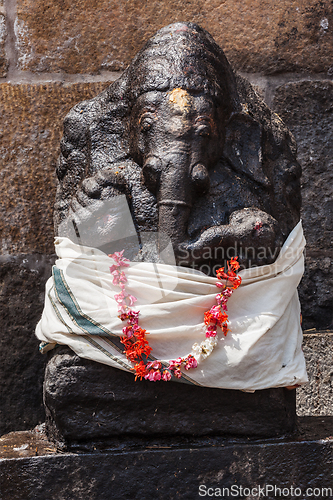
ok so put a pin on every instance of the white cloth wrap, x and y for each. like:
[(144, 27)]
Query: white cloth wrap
[(262, 350)]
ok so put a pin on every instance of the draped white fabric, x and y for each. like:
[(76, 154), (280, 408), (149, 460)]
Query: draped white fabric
[(262, 350)]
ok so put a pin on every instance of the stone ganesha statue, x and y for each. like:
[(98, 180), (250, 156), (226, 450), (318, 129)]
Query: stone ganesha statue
[(204, 164), (197, 153)]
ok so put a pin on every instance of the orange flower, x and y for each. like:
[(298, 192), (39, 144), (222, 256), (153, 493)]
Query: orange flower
[(233, 264), (225, 329), (221, 274), (236, 282), (208, 317), (126, 341), (222, 318), (140, 370)]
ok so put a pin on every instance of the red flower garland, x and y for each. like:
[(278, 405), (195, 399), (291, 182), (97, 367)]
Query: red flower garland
[(134, 339)]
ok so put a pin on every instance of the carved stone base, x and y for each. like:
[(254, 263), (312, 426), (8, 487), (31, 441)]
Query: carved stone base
[(289, 468), (90, 403)]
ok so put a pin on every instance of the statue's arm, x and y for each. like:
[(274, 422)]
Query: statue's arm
[(251, 234), (75, 154)]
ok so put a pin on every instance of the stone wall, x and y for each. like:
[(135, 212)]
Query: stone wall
[(54, 53)]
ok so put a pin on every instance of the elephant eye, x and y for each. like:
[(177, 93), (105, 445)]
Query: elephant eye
[(146, 123), (203, 130), (203, 126)]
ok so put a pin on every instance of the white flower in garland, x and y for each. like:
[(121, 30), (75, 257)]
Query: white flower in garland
[(205, 349)]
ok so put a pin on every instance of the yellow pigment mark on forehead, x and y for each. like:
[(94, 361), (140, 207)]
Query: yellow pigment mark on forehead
[(181, 98)]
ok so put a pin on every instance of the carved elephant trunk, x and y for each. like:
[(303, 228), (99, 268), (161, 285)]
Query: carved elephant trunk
[(174, 199), (176, 181)]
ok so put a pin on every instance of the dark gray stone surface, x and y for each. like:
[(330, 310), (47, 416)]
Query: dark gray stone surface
[(88, 402), (306, 107), (312, 399), (22, 282), (316, 398), (167, 470)]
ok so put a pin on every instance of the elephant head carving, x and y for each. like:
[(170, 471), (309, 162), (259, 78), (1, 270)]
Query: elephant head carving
[(196, 152)]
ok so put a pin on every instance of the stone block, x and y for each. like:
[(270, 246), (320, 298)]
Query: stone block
[(3, 34), (295, 468), (88, 402), (30, 131), (306, 108), (316, 398), (87, 37), (22, 281)]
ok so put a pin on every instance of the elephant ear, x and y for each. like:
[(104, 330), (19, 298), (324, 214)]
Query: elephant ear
[(243, 146)]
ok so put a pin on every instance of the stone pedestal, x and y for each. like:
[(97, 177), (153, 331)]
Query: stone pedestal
[(91, 405), (300, 467)]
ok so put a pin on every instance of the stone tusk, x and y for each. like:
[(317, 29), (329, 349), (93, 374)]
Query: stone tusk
[(174, 202)]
